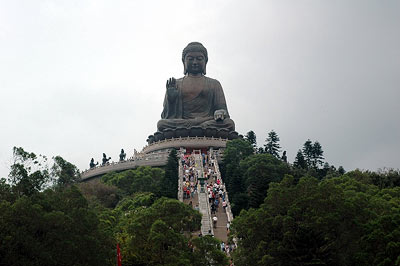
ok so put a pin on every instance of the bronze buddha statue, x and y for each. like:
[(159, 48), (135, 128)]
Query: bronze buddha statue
[(194, 100)]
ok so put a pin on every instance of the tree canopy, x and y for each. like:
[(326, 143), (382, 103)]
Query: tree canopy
[(52, 228), (339, 221), (251, 138), (272, 144)]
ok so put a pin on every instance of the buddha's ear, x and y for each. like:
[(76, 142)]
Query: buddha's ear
[(204, 70)]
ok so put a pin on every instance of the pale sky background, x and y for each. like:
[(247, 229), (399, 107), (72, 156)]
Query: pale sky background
[(79, 78)]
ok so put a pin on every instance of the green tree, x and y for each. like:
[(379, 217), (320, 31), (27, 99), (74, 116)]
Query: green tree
[(100, 193), (29, 173), (384, 178), (6, 192), (299, 161), (337, 221), (259, 171), (272, 144), (52, 228), (141, 179), (308, 153), (313, 154), (207, 252), (341, 170), (153, 235), (317, 155), (236, 150), (239, 201), (64, 173), (138, 200), (251, 138), (169, 184)]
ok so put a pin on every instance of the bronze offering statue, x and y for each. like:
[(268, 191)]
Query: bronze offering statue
[(284, 157), (122, 155), (92, 164), (194, 101), (105, 159)]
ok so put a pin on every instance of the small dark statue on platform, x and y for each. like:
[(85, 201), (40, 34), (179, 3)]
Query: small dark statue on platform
[(284, 157), (194, 100), (105, 160), (122, 155), (92, 164)]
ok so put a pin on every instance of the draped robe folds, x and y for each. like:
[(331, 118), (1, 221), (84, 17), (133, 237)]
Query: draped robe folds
[(199, 111)]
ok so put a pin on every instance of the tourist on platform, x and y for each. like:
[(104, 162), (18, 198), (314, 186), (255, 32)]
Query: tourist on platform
[(184, 192), (215, 220), (233, 246), (192, 192), (224, 205), (227, 249), (188, 193), (213, 208), (228, 225)]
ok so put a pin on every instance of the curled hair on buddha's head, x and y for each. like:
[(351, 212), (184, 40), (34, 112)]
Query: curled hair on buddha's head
[(194, 47)]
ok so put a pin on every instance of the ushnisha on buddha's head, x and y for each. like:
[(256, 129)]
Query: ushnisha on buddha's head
[(195, 58)]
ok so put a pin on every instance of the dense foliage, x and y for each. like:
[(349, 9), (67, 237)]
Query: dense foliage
[(153, 236), (337, 221), (169, 183), (141, 179), (309, 212), (52, 228), (247, 175), (46, 218)]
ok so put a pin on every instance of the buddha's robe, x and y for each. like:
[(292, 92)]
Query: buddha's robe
[(187, 110)]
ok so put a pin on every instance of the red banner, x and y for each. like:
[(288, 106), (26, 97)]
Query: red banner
[(119, 259)]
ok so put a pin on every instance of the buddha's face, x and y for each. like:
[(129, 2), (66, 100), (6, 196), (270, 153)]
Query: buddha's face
[(195, 63)]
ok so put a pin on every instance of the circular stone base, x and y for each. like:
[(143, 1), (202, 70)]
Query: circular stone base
[(188, 142)]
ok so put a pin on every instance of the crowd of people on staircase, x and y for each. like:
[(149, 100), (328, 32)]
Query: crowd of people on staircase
[(214, 188), (190, 177)]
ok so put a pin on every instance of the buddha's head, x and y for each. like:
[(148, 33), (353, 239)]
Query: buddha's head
[(194, 58)]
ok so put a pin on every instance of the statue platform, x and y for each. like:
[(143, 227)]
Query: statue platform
[(186, 142), (156, 154)]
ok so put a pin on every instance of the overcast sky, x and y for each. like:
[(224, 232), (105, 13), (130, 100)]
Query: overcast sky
[(79, 78)]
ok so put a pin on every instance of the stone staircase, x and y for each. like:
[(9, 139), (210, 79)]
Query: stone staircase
[(204, 208), (201, 200), (206, 225)]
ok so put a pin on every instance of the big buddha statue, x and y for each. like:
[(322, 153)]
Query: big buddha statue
[(194, 100)]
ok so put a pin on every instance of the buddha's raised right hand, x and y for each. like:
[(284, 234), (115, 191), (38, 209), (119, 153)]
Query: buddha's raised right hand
[(172, 90)]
